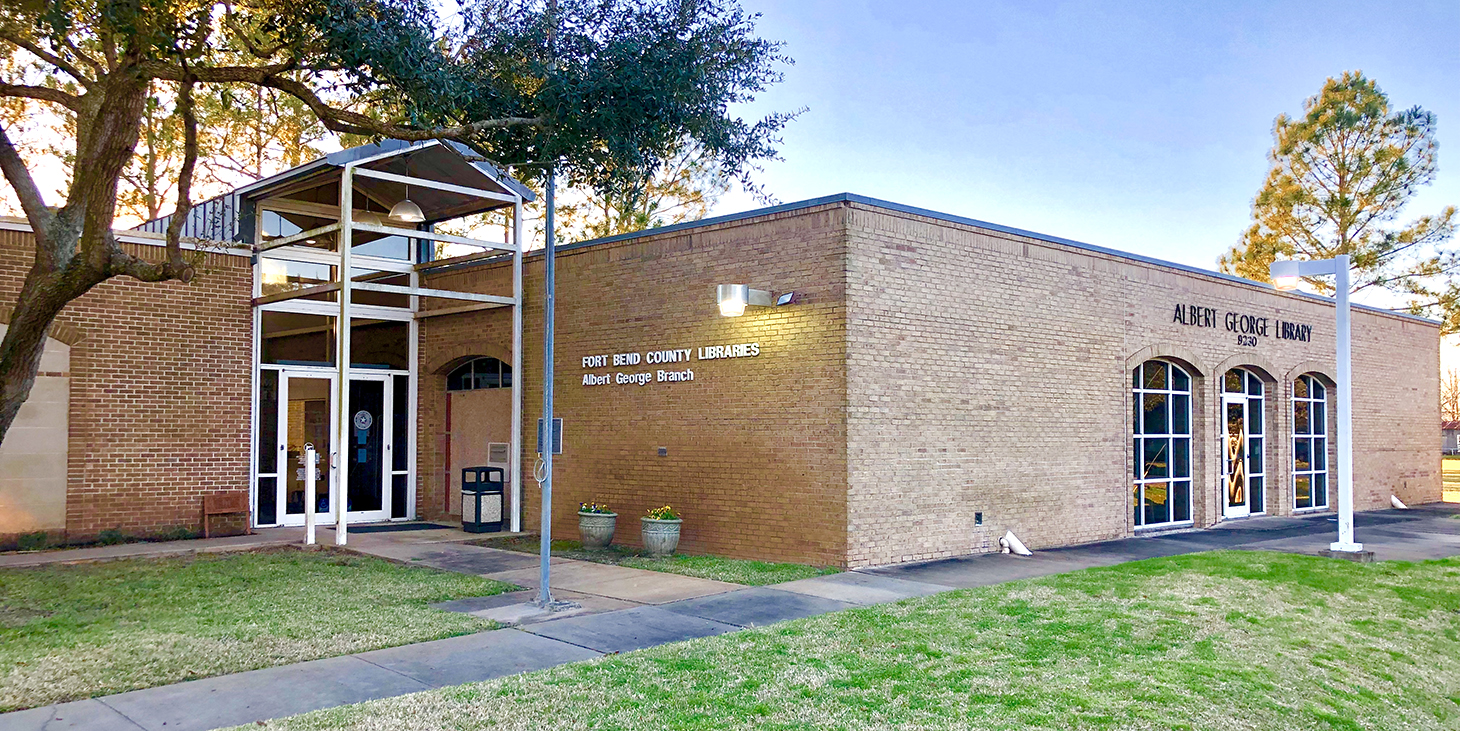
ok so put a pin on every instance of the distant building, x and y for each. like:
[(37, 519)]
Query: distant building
[(1450, 434)]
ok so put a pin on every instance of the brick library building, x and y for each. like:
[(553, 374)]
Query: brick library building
[(840, 381)]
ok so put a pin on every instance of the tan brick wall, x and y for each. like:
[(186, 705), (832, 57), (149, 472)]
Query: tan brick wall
[(989, 372), (929, 370), (159, 393), (756, 446)]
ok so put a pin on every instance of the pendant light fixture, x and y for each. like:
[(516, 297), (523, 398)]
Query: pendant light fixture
[(407, 211), (369, 217)]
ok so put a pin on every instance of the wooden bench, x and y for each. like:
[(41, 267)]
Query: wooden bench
[(226, 503)]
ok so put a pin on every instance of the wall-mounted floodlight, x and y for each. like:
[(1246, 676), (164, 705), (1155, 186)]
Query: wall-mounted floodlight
[(733, 298)]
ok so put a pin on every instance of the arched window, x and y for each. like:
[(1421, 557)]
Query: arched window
[(1310, 443), (1243, 443), (1161, 436), (480, 373)]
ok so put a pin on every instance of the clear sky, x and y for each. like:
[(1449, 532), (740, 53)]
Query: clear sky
[(1142, 126)]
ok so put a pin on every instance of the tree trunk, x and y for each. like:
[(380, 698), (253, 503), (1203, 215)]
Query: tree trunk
[(41, 299)]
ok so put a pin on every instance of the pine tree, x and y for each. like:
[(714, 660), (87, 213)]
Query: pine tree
[(1341, 175)]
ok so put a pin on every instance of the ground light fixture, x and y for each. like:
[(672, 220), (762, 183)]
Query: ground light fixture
[(733, 298), (1285, 276)]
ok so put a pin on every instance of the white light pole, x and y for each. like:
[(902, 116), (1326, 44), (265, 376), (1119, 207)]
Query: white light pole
[(1285, 276)]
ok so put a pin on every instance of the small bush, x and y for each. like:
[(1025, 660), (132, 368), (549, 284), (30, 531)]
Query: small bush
[(111, 537), (34, 541), (175, 533)]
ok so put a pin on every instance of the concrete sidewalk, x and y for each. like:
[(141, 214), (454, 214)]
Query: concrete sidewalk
[(626, 611), (261, 538)]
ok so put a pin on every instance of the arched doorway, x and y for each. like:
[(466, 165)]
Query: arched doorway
[(34, 457), (1244, 469), (478, 422)]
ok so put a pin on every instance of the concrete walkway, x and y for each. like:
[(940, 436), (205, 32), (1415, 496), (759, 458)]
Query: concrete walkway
[(624, 611), (261, 538)]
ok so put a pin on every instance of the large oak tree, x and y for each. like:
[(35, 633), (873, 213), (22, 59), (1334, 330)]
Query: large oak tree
[(602, 89)]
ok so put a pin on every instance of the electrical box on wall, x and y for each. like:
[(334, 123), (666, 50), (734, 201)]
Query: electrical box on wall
[(557, 436)]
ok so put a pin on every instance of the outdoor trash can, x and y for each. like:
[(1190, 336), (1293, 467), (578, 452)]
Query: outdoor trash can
[(482, 496)]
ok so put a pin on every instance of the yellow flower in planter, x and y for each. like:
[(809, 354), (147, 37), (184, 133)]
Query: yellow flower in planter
[(664, 513)]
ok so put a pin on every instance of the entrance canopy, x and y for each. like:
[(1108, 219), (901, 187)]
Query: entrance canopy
[(384, 213)]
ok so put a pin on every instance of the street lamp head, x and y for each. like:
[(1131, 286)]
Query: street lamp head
[(1284, 275)]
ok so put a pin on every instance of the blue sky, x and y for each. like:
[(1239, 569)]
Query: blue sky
[(1139, 126)]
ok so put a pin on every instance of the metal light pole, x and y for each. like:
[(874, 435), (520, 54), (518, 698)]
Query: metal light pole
[(1285, 276), (545, 434)]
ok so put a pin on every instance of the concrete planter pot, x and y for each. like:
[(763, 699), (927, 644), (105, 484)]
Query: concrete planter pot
[(596, 529), (661, 537)]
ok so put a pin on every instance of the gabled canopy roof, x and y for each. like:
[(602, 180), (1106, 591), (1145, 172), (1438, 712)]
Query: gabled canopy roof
[(228, 216)]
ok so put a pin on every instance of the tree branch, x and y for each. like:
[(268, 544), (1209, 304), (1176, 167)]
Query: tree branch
[(175, 267), (47, 56), (89, 61), (42, 93), (31, 200), (342, 121), (185, 110)]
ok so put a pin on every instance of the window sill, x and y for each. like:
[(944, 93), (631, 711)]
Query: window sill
[(1164, 527), (1310, 511)]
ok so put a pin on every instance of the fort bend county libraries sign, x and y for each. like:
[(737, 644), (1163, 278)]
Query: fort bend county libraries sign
[(673, 358), (1247, 327)]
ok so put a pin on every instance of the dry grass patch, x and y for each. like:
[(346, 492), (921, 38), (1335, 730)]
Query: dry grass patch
[(72, 632), (1225, 640)]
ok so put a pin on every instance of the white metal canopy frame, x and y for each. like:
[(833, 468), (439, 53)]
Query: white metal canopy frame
[(445, 184)]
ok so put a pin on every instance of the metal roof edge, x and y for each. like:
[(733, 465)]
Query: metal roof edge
[(715, 220), (145, 238), (1230, 278), (950, 218), (492, 171)]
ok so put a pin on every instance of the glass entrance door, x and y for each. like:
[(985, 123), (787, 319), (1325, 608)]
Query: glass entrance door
[(367, 448), (1244, 439), (296, 409), (306, 417), (1234, 470)]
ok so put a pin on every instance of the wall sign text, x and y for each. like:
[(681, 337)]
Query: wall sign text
[(659, 357), (1246, 326)]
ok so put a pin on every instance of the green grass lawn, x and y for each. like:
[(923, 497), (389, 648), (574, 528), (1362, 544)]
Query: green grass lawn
[(70, 632), (731, 570), (1226, 640)]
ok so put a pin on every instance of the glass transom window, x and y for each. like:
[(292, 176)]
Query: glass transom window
[(480, 373), (1161, 443), (1310, 443)]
